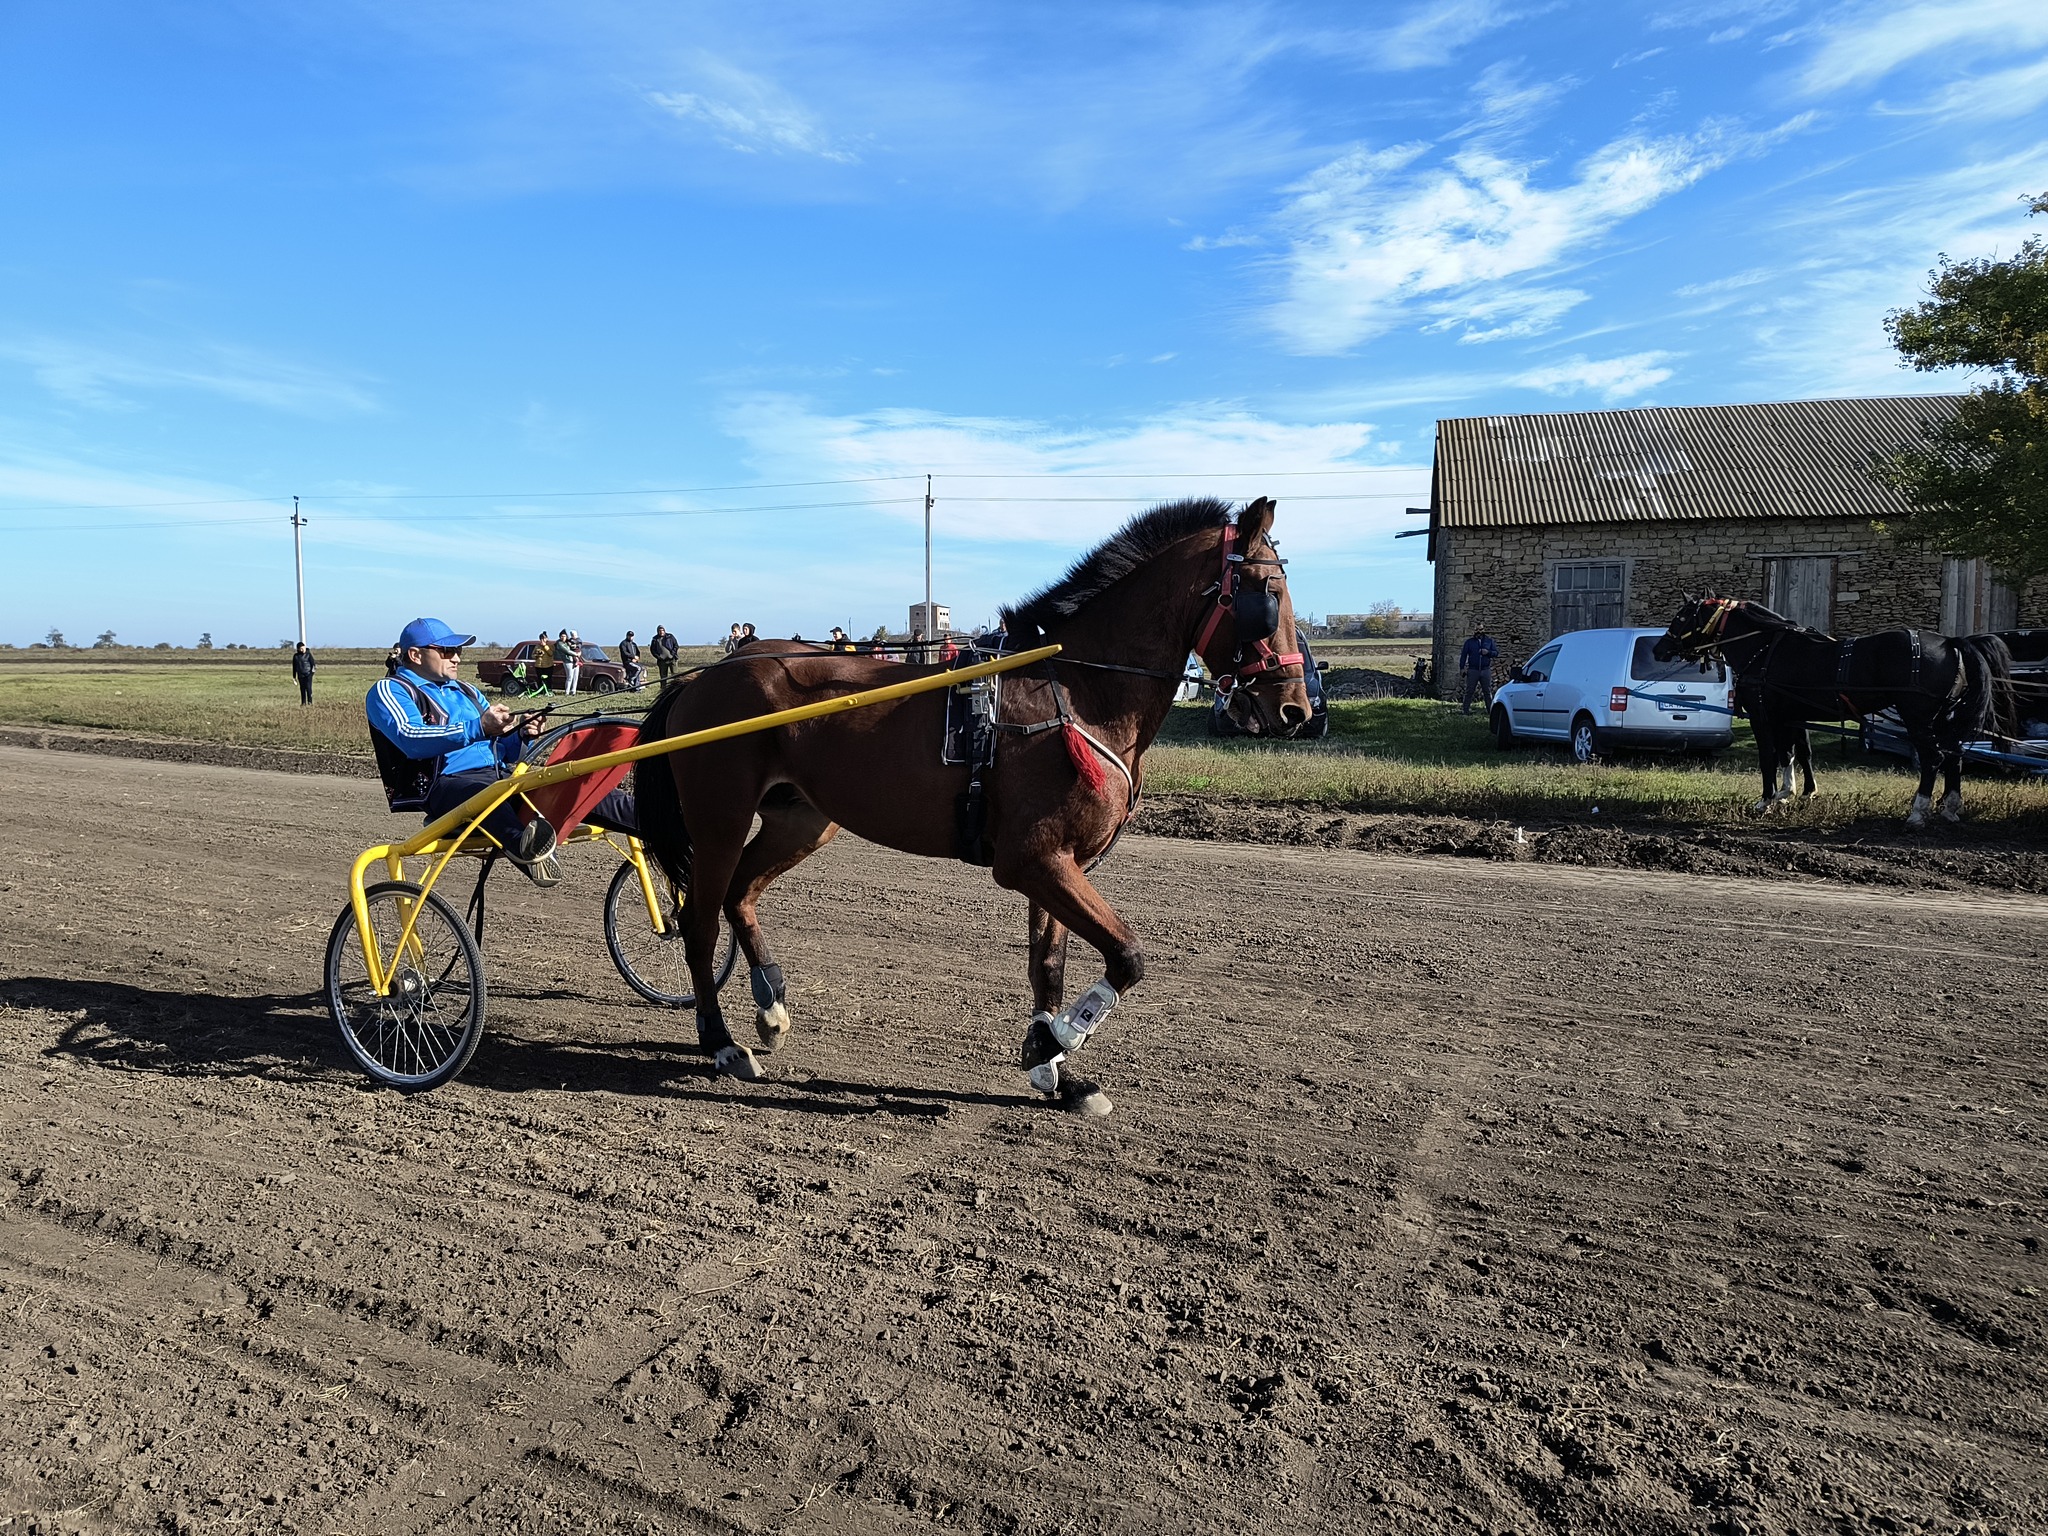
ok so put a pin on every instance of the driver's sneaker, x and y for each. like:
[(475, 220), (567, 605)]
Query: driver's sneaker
[(534, 852)]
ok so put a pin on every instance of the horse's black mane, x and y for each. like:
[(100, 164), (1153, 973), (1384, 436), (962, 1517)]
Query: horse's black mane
[(1771, 619), (1113, 559)]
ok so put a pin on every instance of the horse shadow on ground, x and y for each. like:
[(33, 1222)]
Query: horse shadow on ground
[(289, 1037)]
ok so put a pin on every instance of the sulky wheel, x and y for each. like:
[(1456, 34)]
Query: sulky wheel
[(425, 1029), (654, 964)]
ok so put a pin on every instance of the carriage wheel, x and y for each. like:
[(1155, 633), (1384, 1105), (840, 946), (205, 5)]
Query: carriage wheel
[(423, 1032), (655, 964)]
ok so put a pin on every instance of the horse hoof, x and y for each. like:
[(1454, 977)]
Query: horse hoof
[(1915, 821), (1080, 1097), (737, 1061), (772, 1025), (1952, 808)]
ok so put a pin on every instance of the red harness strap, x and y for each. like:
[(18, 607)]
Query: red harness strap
[(1223, 594), (1264, 658)]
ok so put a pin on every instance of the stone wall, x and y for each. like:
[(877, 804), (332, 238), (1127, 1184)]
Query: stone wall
[(1501, 577)]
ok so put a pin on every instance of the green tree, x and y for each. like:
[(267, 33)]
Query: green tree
[(106, 641), (1977, 482), (206, 641), (54, 639)]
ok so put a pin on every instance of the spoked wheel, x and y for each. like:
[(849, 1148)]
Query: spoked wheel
[(422, 1032), (655, 964)]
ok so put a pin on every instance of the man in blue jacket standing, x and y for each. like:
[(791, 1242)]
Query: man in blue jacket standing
[(1475, 665), (438, 742)]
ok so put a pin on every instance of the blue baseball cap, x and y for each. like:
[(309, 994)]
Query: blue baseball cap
[(425, 633)]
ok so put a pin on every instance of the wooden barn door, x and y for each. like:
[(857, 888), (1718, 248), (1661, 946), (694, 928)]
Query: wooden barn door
[(1802, 589)]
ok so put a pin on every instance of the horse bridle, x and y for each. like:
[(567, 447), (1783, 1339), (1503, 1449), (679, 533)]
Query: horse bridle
[(1254, 616)]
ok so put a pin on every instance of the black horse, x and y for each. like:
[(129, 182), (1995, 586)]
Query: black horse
[(1786, 674)]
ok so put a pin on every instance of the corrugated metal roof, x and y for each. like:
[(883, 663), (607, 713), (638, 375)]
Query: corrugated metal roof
[(1795, 458)]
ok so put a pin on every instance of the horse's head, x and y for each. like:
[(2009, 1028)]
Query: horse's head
[(1696, 630), (1249, 645)]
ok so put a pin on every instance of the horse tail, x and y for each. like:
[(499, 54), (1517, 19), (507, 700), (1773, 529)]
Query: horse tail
[(659, 806), (1994, 709)]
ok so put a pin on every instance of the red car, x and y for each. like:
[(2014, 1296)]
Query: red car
[(600, 673)]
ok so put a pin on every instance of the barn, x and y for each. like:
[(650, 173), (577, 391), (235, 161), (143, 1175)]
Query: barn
[(1589, 519)]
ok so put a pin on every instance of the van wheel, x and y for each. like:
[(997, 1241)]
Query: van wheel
[(1503, 730), (1585, 749)]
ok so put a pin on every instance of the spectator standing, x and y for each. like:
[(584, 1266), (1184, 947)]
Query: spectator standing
[(543, 657), (629, 658), (747, 636), (392, 662), (1475, 666), (663, 649), (302, 669), (917, 653), (840, 642), (734, 639), (571, 651)]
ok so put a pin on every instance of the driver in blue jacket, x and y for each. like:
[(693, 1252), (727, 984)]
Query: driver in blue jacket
[(438, 743)]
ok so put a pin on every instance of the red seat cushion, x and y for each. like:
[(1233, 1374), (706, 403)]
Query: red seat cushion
[(566, 804)]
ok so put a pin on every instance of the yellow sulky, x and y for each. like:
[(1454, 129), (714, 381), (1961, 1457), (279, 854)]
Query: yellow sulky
[(464, 821)]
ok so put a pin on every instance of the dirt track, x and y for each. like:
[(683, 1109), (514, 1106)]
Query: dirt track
[(1739, 1229)]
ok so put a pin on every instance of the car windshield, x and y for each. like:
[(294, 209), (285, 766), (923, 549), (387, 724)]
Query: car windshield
[(1644, 667), (594, 653)]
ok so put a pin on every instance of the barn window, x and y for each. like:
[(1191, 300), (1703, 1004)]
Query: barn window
[(1802, 588), (1973, 601), (1586, 594)]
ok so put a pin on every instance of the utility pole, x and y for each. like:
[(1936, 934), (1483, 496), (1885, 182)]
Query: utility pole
[(930, 626), (299, 566)]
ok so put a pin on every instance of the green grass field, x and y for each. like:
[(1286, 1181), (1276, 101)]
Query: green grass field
[(1410, 755)]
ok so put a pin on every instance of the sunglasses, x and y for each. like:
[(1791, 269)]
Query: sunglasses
[(452, 652)]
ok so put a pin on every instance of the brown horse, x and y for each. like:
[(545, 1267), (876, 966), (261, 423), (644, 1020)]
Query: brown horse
[(1070, 736)]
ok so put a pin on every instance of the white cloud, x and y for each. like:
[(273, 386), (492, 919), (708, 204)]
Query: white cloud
[(1863, 45), (1505, 102), (1432, 34), (1613, 378), (1005, 480), (1373, 240), (750, 114), (2001, 95), (1720, 285), (1869, 252), (96, 376)]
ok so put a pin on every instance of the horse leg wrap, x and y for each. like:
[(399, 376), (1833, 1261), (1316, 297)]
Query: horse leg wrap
[(1082, 1017), (771, 1016), (1041, 1056)]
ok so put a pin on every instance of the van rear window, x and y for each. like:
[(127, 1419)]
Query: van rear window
[(1644, 667)]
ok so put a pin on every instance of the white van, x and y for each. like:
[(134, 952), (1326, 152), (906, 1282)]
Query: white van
[(1601, 691)]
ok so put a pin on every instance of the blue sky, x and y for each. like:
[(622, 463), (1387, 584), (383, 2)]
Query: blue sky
[(442, 268)]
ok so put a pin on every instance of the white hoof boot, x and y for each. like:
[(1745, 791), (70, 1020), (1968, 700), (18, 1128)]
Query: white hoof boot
[(737, 1061), (1952, 806), (772, 1025), (1916, 818), (1083, 1016)]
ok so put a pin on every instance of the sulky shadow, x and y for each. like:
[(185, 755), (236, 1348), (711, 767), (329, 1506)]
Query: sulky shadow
[(290, 1036)]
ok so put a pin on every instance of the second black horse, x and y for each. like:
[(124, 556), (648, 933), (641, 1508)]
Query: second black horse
[(1945, 690)]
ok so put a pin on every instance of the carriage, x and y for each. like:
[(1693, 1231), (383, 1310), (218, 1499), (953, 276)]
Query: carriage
[(404, 974)]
